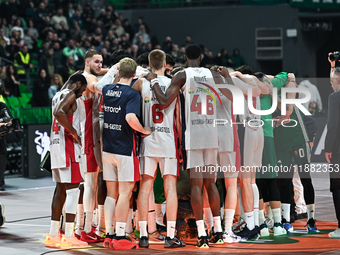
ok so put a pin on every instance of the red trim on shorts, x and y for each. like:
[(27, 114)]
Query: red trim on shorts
[(89, 144), (91, 163), (135, 158), (75, 173), (69, 144), (176, 144), (236, 143)]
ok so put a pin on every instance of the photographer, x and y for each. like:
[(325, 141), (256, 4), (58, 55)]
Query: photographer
[(332, 142), (5, 118)]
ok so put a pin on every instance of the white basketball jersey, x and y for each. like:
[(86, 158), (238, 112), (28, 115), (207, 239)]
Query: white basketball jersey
[(201, 98), (163, 138), (62, 148)]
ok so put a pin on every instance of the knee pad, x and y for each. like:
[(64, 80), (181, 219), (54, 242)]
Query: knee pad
[(71, 202)]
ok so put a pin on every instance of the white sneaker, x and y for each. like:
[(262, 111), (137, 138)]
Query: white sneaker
[(231, 238), (279, 229), (335, 233), (264, 231)]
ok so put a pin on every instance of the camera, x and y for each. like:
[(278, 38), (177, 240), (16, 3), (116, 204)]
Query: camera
[(334, 56), (6, 118)]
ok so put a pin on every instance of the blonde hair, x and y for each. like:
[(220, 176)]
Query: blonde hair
[(127, 67), (157, 59), (90, 53), (61, 83)]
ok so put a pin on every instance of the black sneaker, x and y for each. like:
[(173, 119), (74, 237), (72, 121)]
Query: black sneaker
[(173, 243), (250, 234), (144, 242), (182, 229), (160, 228), (217, 238), (203, 242)]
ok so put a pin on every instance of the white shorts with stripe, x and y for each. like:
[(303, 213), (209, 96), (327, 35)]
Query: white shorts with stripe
[(168, 166), (120, 168), (72, 174)]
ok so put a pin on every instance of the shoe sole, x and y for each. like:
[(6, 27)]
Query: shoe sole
[(219, 242), (204, 246)]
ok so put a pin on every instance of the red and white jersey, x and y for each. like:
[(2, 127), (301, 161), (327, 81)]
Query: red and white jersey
[(62, 148), (163, 139), (201, 98)]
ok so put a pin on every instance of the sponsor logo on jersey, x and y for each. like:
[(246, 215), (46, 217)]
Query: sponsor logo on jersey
[(146, 100), (191, 90)]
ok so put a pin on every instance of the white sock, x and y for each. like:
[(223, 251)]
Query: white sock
[(200, 228), (142, 228), (269, 212), (277, 215), (249, 218), (101, 218), (95, 217), (208, 217), (109, 210), (152, 222), (88, 221), (228, 220), (120, 228), (170, 228), (69, 227), (261, 217), (79, 219), (129, 227), (310, 211), (54, 228), (217, 224), (286, 211), (256, 203)]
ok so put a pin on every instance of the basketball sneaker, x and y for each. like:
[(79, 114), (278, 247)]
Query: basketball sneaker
[(203, 242), (122, 243), (279, 229), (156, 238), (231, 238), (287, 225), (144, 242), (335, 233), (173, 242), (217, 238), (264, 231), (90, 237), (52, 242), (107, 240), (270, 222), (239, 226), (131, 236), (73, 242), (311, 227)]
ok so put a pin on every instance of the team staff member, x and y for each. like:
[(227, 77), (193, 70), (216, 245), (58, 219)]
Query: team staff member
[(120, 162)]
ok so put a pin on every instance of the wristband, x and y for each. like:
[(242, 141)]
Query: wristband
[(154, 81), (332, 66)]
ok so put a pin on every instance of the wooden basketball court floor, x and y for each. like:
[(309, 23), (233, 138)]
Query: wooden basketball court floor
[(27, 211)]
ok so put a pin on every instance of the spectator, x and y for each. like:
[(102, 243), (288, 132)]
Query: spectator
[(141, 33), (237, 59), (314, 104), (63, 31), (87, 15), (40, 16), (12, 84), (40, 90), (22, 60), (124, 42), (56, 84), (30, 10), (106, 58), (4, 40), (58, 56), (2, 52), (128, 28), (187, 41), (223, 59), (76, 32), (118, 27), (28, 40), (58, 19), (76, 18), (167, 45), (140, 22), (46, 61), (75, 52), (68, 69), (18, 27), (33, 32), (5, 27)]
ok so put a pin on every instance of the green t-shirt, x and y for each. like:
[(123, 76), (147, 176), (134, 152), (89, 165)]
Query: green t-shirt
[(266, 102), (288, 137)]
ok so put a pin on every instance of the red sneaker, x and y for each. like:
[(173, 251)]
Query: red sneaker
[(122, 243), (107, 240), (90, 237)]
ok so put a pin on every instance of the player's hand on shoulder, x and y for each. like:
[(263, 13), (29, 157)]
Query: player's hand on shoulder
[(222, 70), (150, 76)]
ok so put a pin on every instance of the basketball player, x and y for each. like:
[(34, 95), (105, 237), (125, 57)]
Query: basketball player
[(66, 162)]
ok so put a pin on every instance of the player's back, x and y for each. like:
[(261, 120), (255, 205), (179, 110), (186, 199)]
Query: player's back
[(162, 141), (201, 98)]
